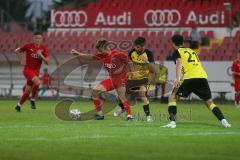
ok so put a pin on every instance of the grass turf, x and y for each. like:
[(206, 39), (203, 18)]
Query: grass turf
[(40, 135)]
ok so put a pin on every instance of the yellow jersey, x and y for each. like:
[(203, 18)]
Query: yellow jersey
[(191, 65), (139, 68), (161, 74)]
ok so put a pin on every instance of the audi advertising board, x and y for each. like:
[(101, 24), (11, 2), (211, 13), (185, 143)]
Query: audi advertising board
[(138, 18)]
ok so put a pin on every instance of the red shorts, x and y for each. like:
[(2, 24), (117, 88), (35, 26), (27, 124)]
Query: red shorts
[(29, 74), (112, 83)]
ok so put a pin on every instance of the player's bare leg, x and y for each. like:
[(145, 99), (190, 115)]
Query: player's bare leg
[(121, 91), (24, 97), (217, 112), (35, 86), (97, 101), (144, 99), (120, 110), (237, 99)]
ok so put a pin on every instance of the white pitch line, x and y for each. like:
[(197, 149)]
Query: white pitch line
[(98, 136)]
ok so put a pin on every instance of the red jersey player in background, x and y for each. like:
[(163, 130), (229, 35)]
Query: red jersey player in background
[(236, 79), (115, 63), (46, 80), (35, 52)]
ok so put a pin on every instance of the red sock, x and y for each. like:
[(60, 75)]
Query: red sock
[(24, 98), (237, 98), (24, 88), (35, 91), (97, 103), (127, 107)]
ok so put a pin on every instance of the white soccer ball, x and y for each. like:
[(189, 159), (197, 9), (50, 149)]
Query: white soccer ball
[(75, 114)]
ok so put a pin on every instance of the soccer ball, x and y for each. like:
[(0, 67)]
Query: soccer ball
[(74, 114)]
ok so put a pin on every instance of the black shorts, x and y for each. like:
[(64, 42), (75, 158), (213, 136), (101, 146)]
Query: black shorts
[(133, 85), (198, 86)]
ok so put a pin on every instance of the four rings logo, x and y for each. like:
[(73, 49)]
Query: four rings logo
[(162, 17), (70, 18)]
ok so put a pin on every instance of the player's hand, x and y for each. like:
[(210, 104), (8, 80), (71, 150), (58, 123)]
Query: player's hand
[(177, 83), (143, 58), (40, 53), (74, 52), (232, 84)]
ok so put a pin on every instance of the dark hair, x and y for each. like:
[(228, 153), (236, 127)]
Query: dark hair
[(101, 44), (140, 41), (177, 40), (37, 33)]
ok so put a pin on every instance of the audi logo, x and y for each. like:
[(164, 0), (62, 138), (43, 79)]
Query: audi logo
[(162, 17), (70, 18)]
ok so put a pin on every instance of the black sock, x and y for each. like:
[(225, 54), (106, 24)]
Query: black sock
[(172, 110), (217, 112), (121, 106), (146, 109)]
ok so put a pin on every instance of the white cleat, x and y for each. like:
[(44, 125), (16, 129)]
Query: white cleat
[(225, 123), (237, 105), (118, 113), (172, 124), (149, 118)]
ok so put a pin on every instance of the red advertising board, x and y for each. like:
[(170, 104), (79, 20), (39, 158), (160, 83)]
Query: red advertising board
[(141, 18)]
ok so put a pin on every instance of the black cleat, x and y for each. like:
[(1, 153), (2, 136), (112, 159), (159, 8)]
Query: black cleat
[(18, 108), (33, 105), (99, 117), (130, 118)]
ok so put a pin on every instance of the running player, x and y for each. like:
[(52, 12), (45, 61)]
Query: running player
[(140, 59), (36, 52), (115, 63), (236, 80), (194, 79)]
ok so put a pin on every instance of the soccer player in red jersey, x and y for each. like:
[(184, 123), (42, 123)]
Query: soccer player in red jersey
[(236, 79), (35, 52), (115, 63), (46, 80)]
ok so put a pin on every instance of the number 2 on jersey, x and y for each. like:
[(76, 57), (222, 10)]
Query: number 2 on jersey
[(190, 58)]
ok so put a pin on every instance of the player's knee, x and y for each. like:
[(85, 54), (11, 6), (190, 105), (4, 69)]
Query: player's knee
[(97, 90), (36, 81), (28, 89), (210, 104), (95, 93), (144, 100), (172, 98)]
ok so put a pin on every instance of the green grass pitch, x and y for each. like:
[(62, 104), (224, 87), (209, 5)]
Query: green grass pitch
[(40, 135)]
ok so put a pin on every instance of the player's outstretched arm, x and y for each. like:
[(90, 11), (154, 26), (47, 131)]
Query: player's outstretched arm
[(236, 73), (82, 55), (18, 52)]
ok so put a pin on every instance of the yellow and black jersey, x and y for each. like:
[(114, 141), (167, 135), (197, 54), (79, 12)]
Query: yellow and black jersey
[(161, 74), (191, 65), (139, 69)]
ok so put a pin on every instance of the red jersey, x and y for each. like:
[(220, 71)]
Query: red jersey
[(113, 61), (45, 79), (33, 60), (236, 68)]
